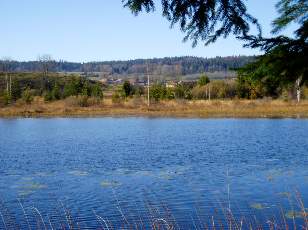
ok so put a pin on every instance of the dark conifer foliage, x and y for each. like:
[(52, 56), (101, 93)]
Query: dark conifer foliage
[(202, 20), (285, 58)]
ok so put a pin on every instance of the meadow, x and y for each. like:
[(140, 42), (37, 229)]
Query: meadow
[(262, 108)]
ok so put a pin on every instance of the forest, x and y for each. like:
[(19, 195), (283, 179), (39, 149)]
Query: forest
[(157, 66)]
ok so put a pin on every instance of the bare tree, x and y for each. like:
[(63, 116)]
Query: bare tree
[(46, 64), (5, 67)]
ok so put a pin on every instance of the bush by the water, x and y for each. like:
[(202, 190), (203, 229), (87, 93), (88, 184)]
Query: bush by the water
[(55, 87)]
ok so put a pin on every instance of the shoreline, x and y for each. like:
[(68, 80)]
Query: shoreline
[(168, 109)]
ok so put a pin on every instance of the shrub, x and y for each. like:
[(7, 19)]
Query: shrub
[(137, 101), (27, 96), (169, 94), (5, 99), (116, 98), (218, 89), (96, 91), (138, 90), (157, 92), (203, 80), (83, 101), (93, 101), (305, 92), (16, 91), (73, 87), (183, 90), (78, 101), (56, 92), (2, 102), (48, 96), (200, 92), (246, 88), (71, 101)]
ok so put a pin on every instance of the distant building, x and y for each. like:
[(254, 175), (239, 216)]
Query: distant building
[(118, 81), (141, 83), (170, 84), (104, 80)]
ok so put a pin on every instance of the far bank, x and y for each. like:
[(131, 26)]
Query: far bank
[(71, 107)]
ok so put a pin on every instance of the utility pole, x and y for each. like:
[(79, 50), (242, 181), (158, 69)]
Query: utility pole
[(10, 85), (7, 83), (148, 84), (209, 92), (298, 90)]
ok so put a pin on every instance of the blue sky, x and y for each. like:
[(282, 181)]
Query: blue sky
[(99, 30)]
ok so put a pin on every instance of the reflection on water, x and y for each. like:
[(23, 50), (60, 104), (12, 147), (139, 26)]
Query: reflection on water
[(189, 166)]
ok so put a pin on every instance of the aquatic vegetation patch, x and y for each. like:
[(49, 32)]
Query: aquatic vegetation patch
[(258, 206), (107, 184), (166, 175), (144, 173), (295, 214), (25, 192), (29, 188), (78, 173), (123, 171), (34, 186), (284, 194), (172, 172), (27, 178), (43, 174), (273, 174)]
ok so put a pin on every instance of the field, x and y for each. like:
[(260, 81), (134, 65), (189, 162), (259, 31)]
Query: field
[(169, 108)]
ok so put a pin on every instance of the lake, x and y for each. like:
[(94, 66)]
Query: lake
[(117, 172)]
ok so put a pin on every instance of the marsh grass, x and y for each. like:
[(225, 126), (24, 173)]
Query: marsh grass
[(170, 108), (155, 216)]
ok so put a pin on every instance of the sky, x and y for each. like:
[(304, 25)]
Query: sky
[(102, 30)]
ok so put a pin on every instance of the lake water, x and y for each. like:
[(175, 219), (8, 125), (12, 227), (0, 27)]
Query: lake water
[(125, 170)]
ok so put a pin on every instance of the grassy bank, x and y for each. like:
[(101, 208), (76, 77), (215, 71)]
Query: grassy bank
[(172, 108)]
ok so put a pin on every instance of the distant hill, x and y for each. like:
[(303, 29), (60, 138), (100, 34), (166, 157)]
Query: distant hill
[(168, 66)]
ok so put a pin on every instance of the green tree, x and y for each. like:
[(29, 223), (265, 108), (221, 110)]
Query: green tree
[(84, 97), (170, 93), (203, 80), (179, 91), (27, 96), (16, 90), (127, 88), (56, 92), (73, 87), (96, 91), (157, 91), (85, 89), (183, 91), (285, 59), (6, 98), (48, 96)]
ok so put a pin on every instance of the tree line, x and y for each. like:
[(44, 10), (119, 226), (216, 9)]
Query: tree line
[(158, 66)]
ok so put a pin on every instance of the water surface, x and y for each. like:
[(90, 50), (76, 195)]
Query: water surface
[(132, 166)]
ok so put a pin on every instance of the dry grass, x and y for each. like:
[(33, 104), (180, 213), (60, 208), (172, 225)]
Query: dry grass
[(155, 217), (173, 108)]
